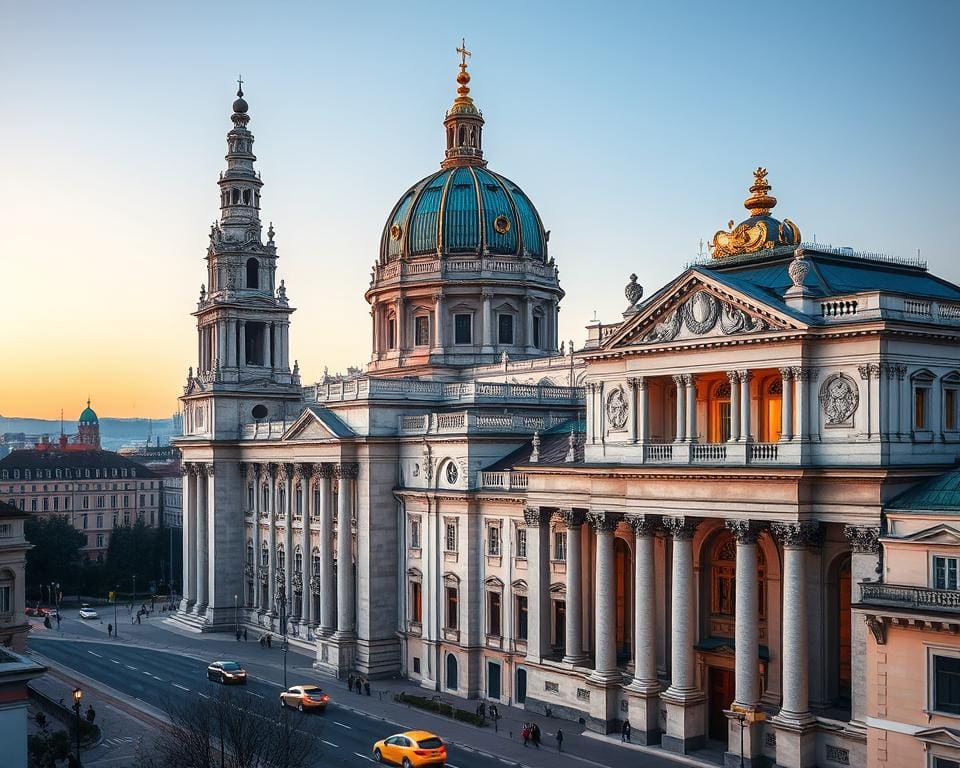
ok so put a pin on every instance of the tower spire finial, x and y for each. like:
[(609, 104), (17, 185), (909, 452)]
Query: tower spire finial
[(239, 85), (463, 122)]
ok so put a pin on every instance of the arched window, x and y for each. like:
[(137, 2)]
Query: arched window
[(281, 558), (246, 197), (298, 508), (462, 137), (298, 560), (719, 426), (315, 557), (253, 273), (236, 196), (264, 554), (452, 682), (723, 581), (265, 500), (249, 552)]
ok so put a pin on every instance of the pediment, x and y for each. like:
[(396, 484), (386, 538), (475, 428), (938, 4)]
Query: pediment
[(939, 534), (311, 425), (694, 307)]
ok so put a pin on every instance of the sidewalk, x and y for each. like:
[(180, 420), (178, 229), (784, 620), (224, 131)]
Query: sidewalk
[(504, 742)]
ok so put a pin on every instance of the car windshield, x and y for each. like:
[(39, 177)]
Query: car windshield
[(430, 743), (231, 666)]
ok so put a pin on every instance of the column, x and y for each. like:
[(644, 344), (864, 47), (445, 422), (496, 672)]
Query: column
[(528, 322), (796, 739), (346, 578), (328, 616), (747, 632), (231, 346), (786, 404), (275, 344), (438, 321), (865, 546), (487, 321), (745, 377), (642, 409), (189, 538), (202, 531), (287, 512), (734, 378), (873, 385), (681, 408), (538, 568), (690, 384), (800, 376), (573, 519), (605, 641), (885, 429), (904, 401), (266, 346), (306, 485), (256, 537), (632, 410), (685, 717), (645, 707), (272, 541), (242, 349), (401, 325)]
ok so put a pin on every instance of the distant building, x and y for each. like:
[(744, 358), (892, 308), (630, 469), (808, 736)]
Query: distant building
[(13, 560), (88, 428), (97, 490)]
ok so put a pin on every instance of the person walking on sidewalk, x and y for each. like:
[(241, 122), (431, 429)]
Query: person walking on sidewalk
[(109, 630), (625, 731), (535, 735), (269, 641), (559, 740), (244, 634), (366, 686), (350, 679), (525, 733)]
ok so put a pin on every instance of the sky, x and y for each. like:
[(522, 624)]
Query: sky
[(634, 128)]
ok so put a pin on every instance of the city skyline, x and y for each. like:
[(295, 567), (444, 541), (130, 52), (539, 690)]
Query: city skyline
[(635, 131)]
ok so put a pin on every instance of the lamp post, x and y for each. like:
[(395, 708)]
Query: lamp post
[(77, 695), (282, 593), (116, 624), (742, 719), (236, 617)]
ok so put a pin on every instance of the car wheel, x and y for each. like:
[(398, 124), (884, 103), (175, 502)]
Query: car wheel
[(300, 707), (377, 755), (406, 762), (283, 704)]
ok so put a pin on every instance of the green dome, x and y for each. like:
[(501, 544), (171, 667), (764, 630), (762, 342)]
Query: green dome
[(89, 416)]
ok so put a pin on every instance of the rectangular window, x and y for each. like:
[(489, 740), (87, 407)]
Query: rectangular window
[(33, 505), (950, 410), (84, 519), (536, 330), (113, 502), (453, 608), (126, 501), (416, 664), (6, 531), (723, 412), (143, 500), (415, 534), (6, 600), (463, 329), (559, 545), (66, 503), (391, 333), (505, 329), (100, 520), (945, 762), (493, 541), (46, 504), (56, 503), (99, 540), (944, 572), (920, 398), (101, 502), (494, 623), (522, 543), (451, 539), (421, 331), (946, 684), (521, 617), (416, 602)]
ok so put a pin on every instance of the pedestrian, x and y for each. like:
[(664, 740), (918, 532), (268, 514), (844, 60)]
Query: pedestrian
[(58, 619), (359, 686), (350, 679), (109, 630), (244, 634), (269, 641), (138, 616), (535, 734), (366, 687), (91, 715), (559, 740), (625, 731), (525, 733), (46, 622)]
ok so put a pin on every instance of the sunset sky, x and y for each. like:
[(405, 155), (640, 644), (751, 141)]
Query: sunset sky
[(633, 127)]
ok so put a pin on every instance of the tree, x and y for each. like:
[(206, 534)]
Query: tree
[(231, 731), (55, 556), (135, 550)]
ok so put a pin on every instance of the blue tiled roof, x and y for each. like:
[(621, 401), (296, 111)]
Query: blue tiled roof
[(939, 494)]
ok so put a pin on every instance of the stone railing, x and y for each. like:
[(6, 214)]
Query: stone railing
[(762, 451), (506, 481), (478, 422), (912, 597), (708, 452), (398, 270), (843, 308), (656, 452), (367, 388), (265, 430)]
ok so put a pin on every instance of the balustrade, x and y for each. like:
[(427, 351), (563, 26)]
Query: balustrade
[(914, 597)]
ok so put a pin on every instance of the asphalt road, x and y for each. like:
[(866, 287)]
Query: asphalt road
[(342, 736)]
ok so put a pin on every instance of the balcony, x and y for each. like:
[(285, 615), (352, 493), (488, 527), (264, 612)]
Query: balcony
[(719, 454), (453, 392), (903, 596), (503, 481)]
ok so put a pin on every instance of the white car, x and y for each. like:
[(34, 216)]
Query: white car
[(88, 613)]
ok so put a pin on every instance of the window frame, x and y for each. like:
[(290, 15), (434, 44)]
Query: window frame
[(421, 322), (935, 653), (457, 317), (947, 558), (501, 317)]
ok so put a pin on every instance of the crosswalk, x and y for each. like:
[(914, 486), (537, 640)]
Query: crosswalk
[(117, 741)]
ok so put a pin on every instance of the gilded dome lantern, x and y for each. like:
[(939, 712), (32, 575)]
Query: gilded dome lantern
[(758, 232)]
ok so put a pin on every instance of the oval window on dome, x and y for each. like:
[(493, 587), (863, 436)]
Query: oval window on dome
[(501, 224), (452, 473), (395, 231), (259, 412)]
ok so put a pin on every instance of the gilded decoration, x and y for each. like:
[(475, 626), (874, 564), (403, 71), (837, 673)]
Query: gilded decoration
[(760, 231), (701, 314), (617, 409), (501, 224), (395, 231), (839, 398)]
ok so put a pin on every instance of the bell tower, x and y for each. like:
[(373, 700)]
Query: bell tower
[(243, 315)]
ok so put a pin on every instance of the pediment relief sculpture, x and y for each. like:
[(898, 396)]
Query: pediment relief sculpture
[(703, 314)]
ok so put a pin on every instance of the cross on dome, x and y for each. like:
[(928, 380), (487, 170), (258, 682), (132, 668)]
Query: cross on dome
[(464, 53)]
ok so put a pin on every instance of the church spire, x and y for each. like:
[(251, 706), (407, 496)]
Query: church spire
[(463, 123), (240, 184)]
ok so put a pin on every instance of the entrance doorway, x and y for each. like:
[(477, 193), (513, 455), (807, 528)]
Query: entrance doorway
[(521, 691), (843, 614), (719, 697), (493, 680)]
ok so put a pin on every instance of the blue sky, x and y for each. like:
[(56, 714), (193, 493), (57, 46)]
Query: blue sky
[(633, 127)]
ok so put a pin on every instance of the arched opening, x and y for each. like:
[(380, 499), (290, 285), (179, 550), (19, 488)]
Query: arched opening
[(452, 681), (520, 693), (253, 273), (771, 397), (624, 581), (462, 136), (843, 635), (236, 196), (718, 426), (246, 197)]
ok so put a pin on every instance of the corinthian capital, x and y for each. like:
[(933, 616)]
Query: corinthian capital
[(797, 534), (786, 374), (572, 518), (323, 471), (680, 527), (532, 517), (744, 531), (643, 525), (864, 539), (603, 522), (346, 471)]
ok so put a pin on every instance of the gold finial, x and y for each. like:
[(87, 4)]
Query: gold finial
[(463, 77), (759, 203)]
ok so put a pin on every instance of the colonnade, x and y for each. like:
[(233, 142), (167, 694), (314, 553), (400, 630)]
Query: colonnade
[(292, 500), (224, 344), (685, 698)]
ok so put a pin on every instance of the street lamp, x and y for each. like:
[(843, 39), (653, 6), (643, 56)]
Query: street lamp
[(742, 719), (77, 695), (282, 593), (236, 617), (116, 624)]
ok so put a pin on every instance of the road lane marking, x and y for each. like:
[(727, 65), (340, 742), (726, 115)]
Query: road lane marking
[(177, 685), (365, 757), (330, 744), (149, 674), (95, 654), (342, 725), (114, 661), (255, 694), (129, 667), (203, 694)]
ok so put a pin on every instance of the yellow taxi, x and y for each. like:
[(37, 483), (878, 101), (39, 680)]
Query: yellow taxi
[(411, 749), (304, 697)]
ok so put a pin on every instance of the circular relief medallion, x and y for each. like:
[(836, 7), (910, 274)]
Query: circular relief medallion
[(395, 231), (501, 224), (617, 409), (839, 399), (452, 473), (700, 312)]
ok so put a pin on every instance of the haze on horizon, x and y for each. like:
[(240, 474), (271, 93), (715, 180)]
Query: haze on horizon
[(634, 129)]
